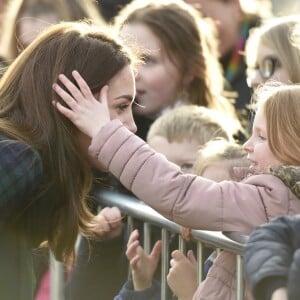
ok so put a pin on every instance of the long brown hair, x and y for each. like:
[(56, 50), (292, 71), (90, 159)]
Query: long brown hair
[(27, 114), (189, 41)]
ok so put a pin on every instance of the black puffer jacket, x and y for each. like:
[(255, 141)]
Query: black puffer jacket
[(272, 258)]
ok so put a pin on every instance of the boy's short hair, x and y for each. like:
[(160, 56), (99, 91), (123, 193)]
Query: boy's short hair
[(189, 122)]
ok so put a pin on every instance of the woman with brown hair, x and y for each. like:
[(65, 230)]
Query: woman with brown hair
[(46, 174)]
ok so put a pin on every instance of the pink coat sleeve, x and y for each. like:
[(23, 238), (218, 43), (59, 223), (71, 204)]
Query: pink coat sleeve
[(189, 200)]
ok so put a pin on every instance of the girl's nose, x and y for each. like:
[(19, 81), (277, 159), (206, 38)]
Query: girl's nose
[(248, 145)]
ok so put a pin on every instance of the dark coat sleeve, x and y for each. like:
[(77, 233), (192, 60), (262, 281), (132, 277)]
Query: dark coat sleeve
[(272, 257), (127, 292)]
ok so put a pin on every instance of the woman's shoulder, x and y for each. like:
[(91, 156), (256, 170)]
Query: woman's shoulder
[(18, 157), (16, 147)]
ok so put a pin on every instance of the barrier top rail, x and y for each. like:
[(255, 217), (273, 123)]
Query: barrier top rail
[(129, 205)]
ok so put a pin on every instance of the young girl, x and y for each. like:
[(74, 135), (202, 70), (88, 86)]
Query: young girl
[(270, 53), (178, 134), (233, 206), (46, 174), (216, 160), (180, 60)]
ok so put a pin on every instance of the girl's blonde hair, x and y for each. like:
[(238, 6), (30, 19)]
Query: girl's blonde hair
[(276, 35), (281, 105), (219, 151)]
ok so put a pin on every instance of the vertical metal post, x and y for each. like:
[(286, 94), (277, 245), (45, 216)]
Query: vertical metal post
[(57, 279)]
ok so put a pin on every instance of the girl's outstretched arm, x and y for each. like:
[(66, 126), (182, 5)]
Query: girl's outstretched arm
[(83, 109)]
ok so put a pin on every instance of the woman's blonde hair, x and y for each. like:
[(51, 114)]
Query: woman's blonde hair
[(219, 151)]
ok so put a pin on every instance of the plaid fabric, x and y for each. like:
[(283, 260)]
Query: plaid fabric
[(20, 172)]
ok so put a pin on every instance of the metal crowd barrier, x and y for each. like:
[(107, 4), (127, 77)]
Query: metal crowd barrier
[(135, 209)]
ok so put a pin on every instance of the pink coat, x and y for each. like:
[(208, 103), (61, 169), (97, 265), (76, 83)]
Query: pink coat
[(193, 201)]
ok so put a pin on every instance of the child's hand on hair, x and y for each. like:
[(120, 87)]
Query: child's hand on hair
[(88, 114)]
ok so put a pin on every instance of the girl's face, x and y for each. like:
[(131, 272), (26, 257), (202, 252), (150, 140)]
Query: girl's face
[(121, 92), (257, 146), (268, 67), (158, 79)]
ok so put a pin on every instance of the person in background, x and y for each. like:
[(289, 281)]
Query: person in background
[(272, 251), (47, 173), (110, 8), (273, 151), (272, 262), (234, 19), (25, 19), (217, 160), (271, 54), (177, 134), (180, 60)]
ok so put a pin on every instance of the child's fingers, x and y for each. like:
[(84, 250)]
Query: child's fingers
[(155, 253), (191, 257), (132, 249), (177, 255), (65, 111), (134, 262), (72, 88), (84, 88), (112, 215), (134, 235), (68, 99)]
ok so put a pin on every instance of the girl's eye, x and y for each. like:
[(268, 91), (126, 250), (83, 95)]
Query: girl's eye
[(261, 137)]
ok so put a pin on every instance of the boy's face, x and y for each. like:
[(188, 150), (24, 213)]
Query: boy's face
[(183, 153)]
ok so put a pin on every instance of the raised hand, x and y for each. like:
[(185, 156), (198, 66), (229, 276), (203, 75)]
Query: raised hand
[(182, 277), (143, 266), (87, 113), (108, 223), (186, 233)]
